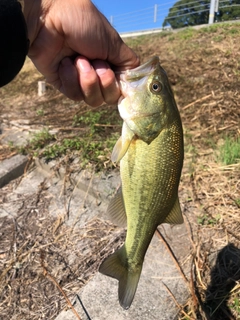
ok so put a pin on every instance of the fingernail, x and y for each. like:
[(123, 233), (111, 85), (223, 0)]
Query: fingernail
[(84, 65), (101, 71), (100, 66)]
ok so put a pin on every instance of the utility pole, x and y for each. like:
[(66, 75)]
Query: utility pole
[(213, 8), (111, 20), (216, 5), (155, 13)]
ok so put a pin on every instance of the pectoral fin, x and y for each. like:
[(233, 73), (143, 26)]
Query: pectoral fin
[(122, 144), (175, 216), (116, 210)]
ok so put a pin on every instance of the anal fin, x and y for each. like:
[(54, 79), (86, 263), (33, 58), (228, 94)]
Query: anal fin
[(175, 215)]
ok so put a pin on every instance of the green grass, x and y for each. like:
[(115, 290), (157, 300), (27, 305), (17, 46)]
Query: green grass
[(208, 220), (235, 306), (218, 38), (93, 144), (230, 151), (41, 138), (187, 33)]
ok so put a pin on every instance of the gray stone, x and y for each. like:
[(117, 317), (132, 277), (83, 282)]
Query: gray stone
[(12, 168), (152, 300)]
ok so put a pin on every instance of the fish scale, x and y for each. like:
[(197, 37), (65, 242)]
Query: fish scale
[(150, 152)]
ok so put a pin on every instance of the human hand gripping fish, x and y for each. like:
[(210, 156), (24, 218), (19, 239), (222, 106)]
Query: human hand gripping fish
[(150, 152)]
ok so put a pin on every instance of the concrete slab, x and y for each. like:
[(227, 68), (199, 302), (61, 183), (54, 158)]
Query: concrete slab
[(16, 135), (152, 300), (87, 197), (12, 168)]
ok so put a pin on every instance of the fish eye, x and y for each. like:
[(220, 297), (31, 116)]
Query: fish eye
[(155, 87)]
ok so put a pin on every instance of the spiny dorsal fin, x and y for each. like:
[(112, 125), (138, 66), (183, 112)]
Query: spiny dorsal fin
[(175, 216), (116, 210)]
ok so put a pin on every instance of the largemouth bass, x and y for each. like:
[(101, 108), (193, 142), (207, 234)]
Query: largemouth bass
[(150, 152)]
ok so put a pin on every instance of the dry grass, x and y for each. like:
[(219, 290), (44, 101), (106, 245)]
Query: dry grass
[(43, 261), (205, 74)]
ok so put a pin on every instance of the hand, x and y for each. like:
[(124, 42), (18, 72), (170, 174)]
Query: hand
[(76, 49)]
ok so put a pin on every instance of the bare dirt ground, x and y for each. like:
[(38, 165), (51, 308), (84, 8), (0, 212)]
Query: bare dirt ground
[(204, 69)]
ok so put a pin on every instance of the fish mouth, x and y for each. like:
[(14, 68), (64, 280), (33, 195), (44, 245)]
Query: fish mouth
[(135, 78), (142, 71)]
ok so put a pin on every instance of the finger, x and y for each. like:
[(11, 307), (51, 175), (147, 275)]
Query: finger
[(108, 84), (68, 75), (126, 58), (89, 82)]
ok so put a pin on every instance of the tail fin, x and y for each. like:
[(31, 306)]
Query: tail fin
[(116, 266)]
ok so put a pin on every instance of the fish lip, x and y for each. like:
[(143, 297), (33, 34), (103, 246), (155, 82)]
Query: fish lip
[(139, 72)]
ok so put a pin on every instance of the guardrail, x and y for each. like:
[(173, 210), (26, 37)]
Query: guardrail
[(158, 30)]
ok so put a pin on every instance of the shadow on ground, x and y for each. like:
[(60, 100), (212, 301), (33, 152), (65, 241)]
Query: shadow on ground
[(224, 277)]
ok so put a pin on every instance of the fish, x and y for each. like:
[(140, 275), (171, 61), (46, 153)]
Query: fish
[(150, 152)]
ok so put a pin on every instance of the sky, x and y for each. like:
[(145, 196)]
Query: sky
[(131, 15)]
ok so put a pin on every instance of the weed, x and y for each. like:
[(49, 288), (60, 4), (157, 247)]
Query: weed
[(237, 201), (89, 151), (235, 306), (10, 144), (218, 38), (187, 33), (90, 119), (171, 38), (41, 138), (210, 29), (135, 41), (38, 141), (208, 220), (40, 112), (59, 149), (230, 151), (233, 31), (164, 34)]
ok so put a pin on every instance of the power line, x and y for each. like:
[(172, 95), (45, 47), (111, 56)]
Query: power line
[(186, 14), (127, 13), (154, 14), (139, 15)]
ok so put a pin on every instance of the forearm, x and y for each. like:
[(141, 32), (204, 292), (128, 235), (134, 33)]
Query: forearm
[(13, 39)]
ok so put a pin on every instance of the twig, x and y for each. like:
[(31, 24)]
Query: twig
[(198, 100), (84, 309), (175, 301), (70, 129), (46, 274), (197, 260), (225, 311), (107, 125), (172, 255)]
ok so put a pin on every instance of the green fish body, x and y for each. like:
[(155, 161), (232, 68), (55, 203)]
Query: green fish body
[(150, 152)]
